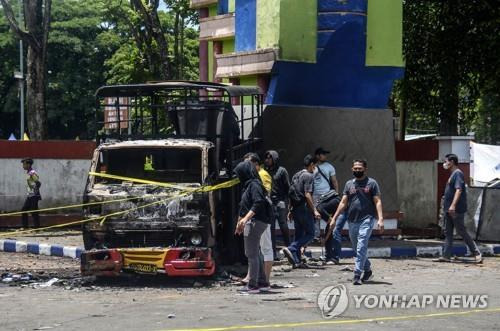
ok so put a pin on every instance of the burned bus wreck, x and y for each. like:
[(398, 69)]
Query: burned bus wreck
[(166, 145)]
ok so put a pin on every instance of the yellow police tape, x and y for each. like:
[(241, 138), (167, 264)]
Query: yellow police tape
[(189, 191), (127, 179), (205, 188), (70, 206)]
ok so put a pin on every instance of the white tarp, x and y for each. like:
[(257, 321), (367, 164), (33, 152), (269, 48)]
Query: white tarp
[(485, 164)]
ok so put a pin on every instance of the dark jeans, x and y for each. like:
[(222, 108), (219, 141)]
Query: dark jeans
[(333, 246), (31, 203), (280, 213), (458, 223), (303, 220)]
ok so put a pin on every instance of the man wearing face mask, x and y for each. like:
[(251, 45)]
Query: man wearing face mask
[(455, 206), (361, 197)]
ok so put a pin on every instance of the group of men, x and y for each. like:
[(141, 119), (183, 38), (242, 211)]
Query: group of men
[(313, 195)]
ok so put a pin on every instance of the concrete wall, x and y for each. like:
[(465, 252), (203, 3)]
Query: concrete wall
[(62, 166), (63, 182), (417, 191), (349, 133)]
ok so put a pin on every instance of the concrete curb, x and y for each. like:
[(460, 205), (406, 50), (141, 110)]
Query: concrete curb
[(16, 246), (74, 252), (410, 251)]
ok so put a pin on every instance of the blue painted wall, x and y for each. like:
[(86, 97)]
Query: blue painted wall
[(245, 21), (223, 7), (340, 77), (346, 5)]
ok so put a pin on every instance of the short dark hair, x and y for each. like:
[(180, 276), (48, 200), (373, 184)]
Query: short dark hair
[(309, 159), (452, 157), (253, 157), (27, 160), (362, 161)]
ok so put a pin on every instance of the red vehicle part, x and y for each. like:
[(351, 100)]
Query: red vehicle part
[(105, 262), (189, 262), (174, 262)]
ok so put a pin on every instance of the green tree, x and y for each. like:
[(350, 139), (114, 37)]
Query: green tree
[(80, 42), (9, 62), (35, 35), (451, 66)]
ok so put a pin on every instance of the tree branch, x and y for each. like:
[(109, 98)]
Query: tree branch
[(14, 25)]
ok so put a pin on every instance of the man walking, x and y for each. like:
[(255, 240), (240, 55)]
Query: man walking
[(455, 206), (303, 210), (279, 196), (361, 197), (325, 181), (33, 193)]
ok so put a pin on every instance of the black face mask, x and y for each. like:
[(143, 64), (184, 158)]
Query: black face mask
[(358, 174)]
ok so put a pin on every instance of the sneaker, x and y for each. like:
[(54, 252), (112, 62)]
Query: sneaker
[(332, 261), (249, 289), (356, 280), (289, 256), (264, 287), (478, 258), (367, 275), (442, 259)]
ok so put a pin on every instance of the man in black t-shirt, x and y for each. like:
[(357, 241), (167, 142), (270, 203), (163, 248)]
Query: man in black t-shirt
[(361, 197), (454, 208)]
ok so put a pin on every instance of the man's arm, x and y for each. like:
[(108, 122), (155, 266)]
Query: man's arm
[(310, 203), (380, 213), (335, 183), (456, 197)]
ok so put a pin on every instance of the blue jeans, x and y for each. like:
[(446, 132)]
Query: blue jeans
[(333, 246), (360, 233), (304, 230)]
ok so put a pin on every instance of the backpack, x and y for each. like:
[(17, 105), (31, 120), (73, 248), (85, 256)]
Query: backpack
[(296, 197)]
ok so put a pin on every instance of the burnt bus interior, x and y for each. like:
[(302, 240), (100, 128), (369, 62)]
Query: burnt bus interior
[(230, 117), (156, 164)]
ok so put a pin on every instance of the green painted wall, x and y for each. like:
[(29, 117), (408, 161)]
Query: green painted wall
[(231, 6), (384, 40), (248, 81), (268, 23), (298, 30), (228, 46), (210, 61), (212, 10)]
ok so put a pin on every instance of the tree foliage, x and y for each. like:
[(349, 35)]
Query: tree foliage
[(451, 83), (34, 33), (91, 43)]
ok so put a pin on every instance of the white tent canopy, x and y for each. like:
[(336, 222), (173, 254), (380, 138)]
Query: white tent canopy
[(485, 163)]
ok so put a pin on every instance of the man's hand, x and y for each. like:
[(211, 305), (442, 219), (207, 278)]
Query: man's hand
[(289, 216), (452, 212), (331, 226), (240, 225), (380, 224), (317, 215)]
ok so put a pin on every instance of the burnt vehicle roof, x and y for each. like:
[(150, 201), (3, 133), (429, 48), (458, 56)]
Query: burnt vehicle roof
[(141, 89), (159, 143)]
